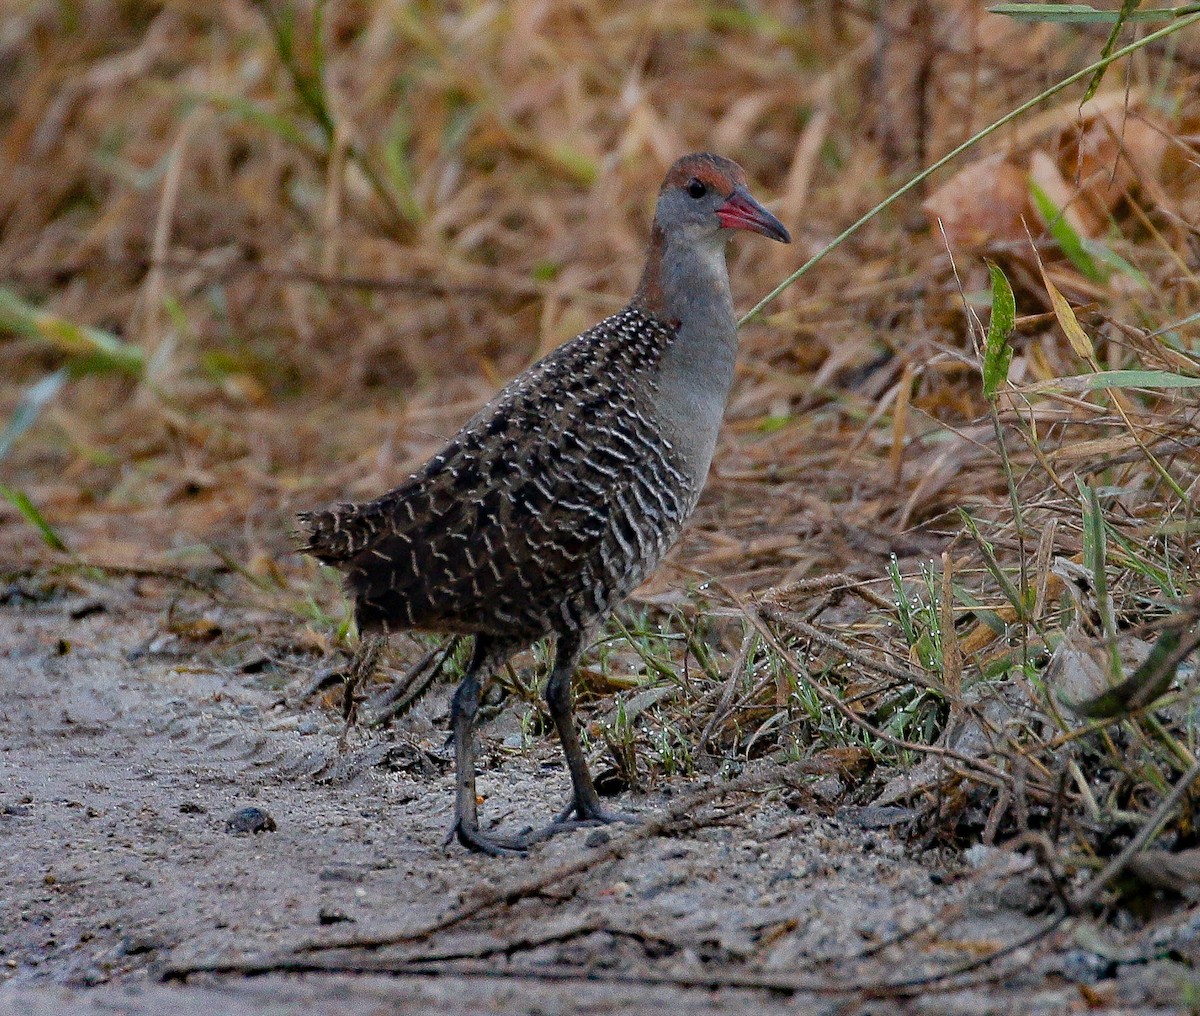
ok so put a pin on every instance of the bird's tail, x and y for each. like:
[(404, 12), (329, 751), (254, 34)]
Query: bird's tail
[(336, 534)]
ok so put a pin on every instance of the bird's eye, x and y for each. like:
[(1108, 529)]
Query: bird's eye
[(696, 189)]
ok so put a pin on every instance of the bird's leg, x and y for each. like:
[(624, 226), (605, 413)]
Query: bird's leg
[(362, 668), (463, 708), (584, 807)]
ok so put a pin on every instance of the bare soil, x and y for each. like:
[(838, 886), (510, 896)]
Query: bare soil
[(126, 752)]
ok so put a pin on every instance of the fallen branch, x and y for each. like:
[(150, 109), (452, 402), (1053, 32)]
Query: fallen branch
[(712, 977), (681, 816)]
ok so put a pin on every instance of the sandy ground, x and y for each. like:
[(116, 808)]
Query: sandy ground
[(123, 757)]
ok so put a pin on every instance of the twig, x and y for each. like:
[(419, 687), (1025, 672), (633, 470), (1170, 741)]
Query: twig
[(722, 708), (712, 977)]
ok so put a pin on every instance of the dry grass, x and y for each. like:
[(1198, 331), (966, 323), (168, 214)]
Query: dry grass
[(330, 242)]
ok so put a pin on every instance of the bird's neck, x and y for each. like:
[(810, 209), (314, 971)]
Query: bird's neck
[(686, 285)]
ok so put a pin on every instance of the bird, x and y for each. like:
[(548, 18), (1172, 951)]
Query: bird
[(560, 496)]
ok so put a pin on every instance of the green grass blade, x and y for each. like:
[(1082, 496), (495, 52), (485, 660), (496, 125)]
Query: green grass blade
[(101, 350), (1140, 379), (1085, 14), (20, 500), (35, 399), (399, 166), (1174, 325), (1111, 259), (1011, 593), (1070, 242), (254, 114), (1150, 379), (1095, 560), (1128, 9)]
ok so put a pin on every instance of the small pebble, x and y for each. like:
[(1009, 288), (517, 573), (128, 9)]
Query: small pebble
[(135, 945), (307, 727), (597, 838), (92, 977), (249, 820), (327, 915)]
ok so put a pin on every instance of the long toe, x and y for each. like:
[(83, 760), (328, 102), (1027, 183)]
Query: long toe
[(571, 818), (598, 816), (474, 839)]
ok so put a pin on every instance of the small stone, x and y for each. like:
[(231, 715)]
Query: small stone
[(828, 789), (327, 915), (597, 838), (1084, 967), (342, 873), (307, 727), (136, 945), (249, 821)]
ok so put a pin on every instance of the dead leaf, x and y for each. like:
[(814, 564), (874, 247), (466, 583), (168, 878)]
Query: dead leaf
[(1111, 152), (1067, 321), (980, 205)]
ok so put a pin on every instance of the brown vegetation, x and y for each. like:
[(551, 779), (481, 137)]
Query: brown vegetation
[(325, 235)]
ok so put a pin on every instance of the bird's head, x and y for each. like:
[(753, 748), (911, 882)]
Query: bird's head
[(704, 196)]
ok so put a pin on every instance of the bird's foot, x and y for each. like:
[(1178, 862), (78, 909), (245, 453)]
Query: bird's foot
[(579, 816), (476, 840), (591, 813)]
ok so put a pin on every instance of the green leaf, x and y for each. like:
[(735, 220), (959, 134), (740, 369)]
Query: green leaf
[(1070, 242), (1140, 379), (1095, 560), (1174, 325), (1149, 681), (988, 617), (997, 353), (576, 164), (1112, 259), (399, 165), (20, 500), (1011, 593)]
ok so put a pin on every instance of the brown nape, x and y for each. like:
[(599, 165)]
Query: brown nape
[(723, 175), (649, 295)]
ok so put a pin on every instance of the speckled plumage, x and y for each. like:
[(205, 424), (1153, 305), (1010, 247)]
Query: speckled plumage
[(546, 509), (555, 500)]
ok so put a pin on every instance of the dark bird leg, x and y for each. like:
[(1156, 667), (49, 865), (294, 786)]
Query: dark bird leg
[(486, 655), (584, 807), (362, 668), (411, 688)]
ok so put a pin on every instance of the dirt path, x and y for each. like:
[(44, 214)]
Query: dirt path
[(121, 762)]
